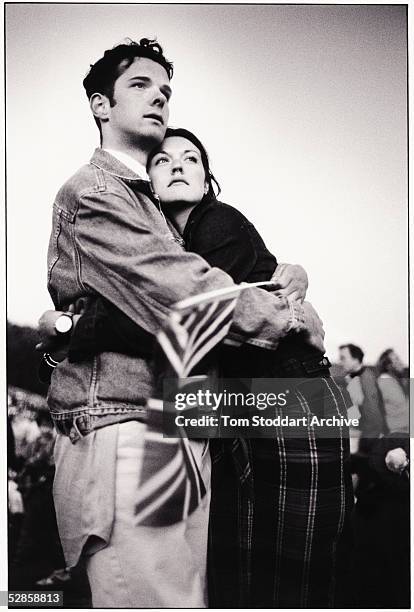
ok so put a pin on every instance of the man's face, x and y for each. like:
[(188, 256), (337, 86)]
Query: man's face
[(141, 95), (349, 363)]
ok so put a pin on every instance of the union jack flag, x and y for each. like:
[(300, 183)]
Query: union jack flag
[(171, 484)]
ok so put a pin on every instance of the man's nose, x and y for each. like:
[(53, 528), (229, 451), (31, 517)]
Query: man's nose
[(159, 100)]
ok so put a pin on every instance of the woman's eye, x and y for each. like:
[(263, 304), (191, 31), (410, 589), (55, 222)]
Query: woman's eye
[(139, 85), (161, 160), (192, 158)]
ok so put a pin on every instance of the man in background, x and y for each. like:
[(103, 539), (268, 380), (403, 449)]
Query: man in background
[(365, 395)]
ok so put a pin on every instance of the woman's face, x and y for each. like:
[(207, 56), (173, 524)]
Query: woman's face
[(177, 172), (395, 362)]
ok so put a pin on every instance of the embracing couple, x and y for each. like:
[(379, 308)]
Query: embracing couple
[(135, 231)]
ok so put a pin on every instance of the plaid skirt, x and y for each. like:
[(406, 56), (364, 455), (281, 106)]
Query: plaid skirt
[(280, 508)]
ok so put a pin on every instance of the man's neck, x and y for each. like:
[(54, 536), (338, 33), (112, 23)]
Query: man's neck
[(138, 154)]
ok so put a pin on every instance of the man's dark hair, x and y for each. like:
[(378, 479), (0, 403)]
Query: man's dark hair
[(103, 74), (211, 180), (355, 351)]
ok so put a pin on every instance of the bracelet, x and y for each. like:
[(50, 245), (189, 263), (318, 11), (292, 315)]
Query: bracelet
[(48, 359), (296, 316)]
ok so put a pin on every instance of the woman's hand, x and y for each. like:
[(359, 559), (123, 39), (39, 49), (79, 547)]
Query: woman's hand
[(314, 327), (396, 460)]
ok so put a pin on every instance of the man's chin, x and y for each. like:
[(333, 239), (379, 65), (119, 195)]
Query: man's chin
[(151, 138)]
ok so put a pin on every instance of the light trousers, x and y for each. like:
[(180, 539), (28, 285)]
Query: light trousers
[(150, 567)]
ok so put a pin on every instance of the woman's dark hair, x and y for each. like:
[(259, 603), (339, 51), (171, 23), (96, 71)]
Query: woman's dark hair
[(385, 366), (385, 361), (211, 180)]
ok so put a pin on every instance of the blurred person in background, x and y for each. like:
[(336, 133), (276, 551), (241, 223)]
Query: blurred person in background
[(364, 392), (393, 385), (366, 398), (15, 500), (25, 431), (381, 521), (382, 535), (38, 552)]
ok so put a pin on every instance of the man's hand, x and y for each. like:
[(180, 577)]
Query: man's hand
[(290, 281), (46, 326), (314, 326), (396, 460)]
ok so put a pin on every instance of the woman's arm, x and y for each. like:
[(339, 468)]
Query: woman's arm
[(227, 240)]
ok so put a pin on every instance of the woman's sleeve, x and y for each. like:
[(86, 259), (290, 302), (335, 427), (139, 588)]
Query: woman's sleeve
[(103, 327), (226, 240)]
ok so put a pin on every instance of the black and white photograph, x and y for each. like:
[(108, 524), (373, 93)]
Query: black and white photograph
[(207, 286)]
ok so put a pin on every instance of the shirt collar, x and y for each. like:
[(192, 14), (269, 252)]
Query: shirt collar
[(131, 163), (357, 373)]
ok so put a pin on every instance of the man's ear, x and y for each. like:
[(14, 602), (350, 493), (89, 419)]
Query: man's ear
[(100, 106)]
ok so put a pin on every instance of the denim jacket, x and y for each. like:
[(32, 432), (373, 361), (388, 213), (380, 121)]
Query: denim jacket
[(109, 238)]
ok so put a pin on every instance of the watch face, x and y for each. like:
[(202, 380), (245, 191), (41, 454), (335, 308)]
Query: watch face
[(63, 324)]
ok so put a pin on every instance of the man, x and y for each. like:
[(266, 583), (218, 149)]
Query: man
[(364, 392), (109, 238), (365, 396)]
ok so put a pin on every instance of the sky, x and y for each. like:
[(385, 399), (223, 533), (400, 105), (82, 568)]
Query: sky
[(302, 109)]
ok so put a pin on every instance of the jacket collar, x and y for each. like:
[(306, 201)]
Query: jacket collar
[(107, 162)]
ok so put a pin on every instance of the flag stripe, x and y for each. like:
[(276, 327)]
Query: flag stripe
[(216, 294), (166, 473), (204, 350), (211, 337), (166, 494), (209, 326)]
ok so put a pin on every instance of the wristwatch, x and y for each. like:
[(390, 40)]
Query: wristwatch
[(64, 324)]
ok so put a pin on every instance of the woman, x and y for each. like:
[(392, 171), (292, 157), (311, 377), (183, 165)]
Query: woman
[(279, 506)]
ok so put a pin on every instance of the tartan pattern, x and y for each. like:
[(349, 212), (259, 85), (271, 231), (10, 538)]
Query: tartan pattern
[(292, 518)]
